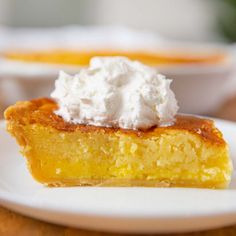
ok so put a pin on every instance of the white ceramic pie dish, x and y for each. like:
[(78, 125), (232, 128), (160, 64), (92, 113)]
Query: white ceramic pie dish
[(199, 89)]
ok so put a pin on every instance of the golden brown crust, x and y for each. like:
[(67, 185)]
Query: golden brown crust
[(128, 183), (42, 111)]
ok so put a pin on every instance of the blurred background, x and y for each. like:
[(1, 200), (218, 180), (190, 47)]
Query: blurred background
[(195, 20), (191, 41)]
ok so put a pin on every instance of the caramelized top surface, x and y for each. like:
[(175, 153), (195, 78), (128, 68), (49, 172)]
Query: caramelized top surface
[(83, 57), (41, 111)]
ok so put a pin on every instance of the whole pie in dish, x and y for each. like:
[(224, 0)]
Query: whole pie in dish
[(189, 153), (82, 57)]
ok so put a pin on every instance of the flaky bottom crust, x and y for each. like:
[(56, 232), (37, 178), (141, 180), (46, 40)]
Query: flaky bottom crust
[(126, 183)]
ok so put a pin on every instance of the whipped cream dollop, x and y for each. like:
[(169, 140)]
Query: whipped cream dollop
[(116, 92)]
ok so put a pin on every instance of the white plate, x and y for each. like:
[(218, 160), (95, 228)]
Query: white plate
[(136, 210)]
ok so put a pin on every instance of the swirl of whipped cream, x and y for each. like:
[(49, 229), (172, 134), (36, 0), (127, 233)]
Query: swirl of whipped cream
[(116, 92)]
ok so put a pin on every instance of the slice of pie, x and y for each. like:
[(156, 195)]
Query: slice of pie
[(190, 153)]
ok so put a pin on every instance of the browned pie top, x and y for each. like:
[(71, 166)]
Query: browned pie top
[(82, 57), (41, 111)]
